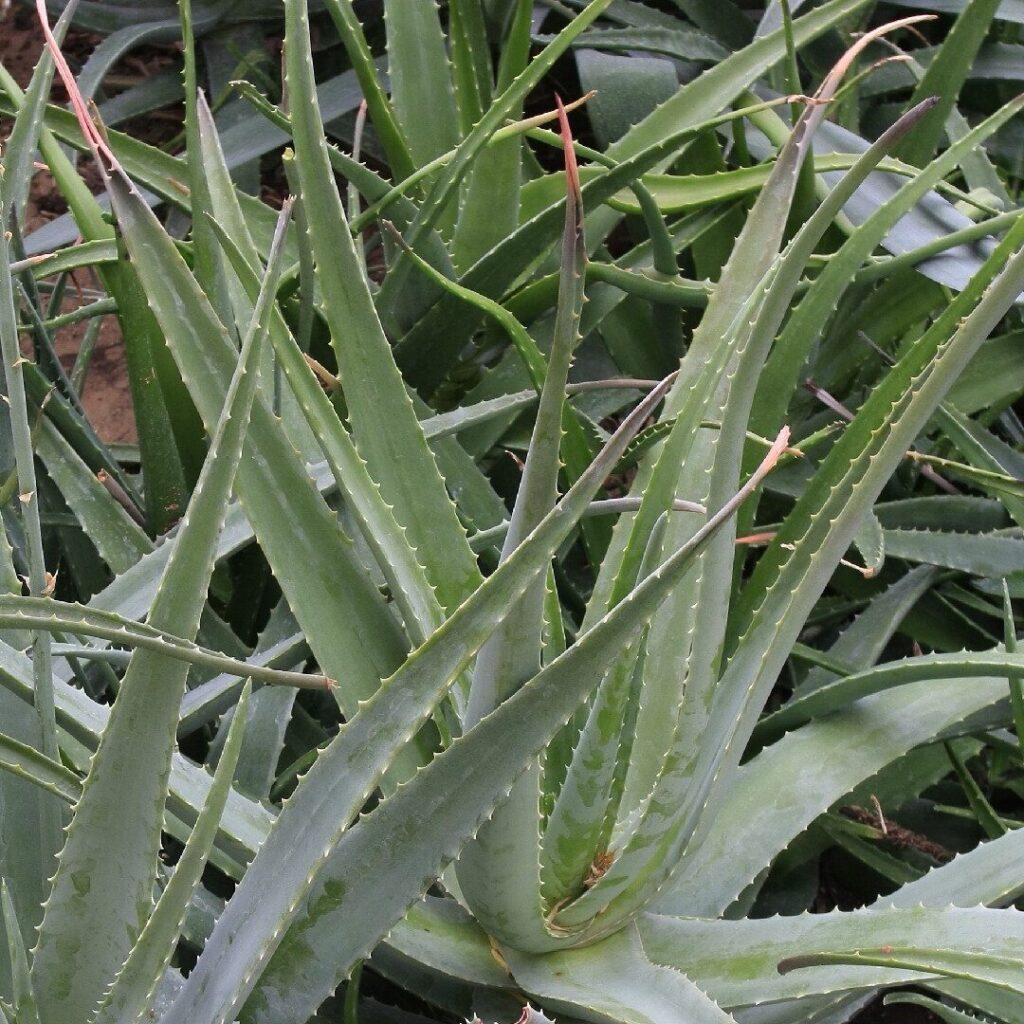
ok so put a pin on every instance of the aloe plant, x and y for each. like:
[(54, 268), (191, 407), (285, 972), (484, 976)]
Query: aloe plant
[(563, 730)]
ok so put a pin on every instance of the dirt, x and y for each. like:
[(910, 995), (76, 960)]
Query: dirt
[(106, 395)]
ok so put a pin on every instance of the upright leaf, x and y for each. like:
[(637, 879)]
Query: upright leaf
[(500, 871), (133, 990), (102, 893), (398, 458)]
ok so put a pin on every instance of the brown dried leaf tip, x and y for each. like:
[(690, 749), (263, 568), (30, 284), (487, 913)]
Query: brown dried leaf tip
[(601, 863)]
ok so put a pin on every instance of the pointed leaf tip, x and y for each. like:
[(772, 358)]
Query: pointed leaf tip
[(572, 172)]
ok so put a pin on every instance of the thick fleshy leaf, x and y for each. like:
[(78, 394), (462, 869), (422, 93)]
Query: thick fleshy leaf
[(102, 894)]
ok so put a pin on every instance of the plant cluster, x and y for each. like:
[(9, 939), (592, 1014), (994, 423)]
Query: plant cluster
[(553, 572)]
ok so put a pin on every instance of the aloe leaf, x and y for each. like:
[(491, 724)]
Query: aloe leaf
[(27, 763), (365, 181), (865, 639), (838, 694), (102, 894), (24, 1005), (203, 704), (674, 193), (614, 979), (489, 202), (270, 712), (818, 524), (359, 649), (996, 483), (577, 833), (133, 989), (382, 114), (245, 821), (782, 369), (223, 215), (48, 820), (20, 147), (472, 77), (308, 964), (712, 604), (905, 408), (986, 451), (748, 308), (658, 698), (499, 872), (420, 77), (205, 263), (162, 174), (720, 84), (119, 539), (398, 458), (988, 820), (58, 617), (509, 657), (979, 554), (406, 577), (986, 967), (396, 559), (348, 770), (945, 1013), (806, 758), (692, 105), (711, 951), (575, 444), (84, 254), (504, 105), (945, 77), (165, 483), (681, 43), (462, 950)]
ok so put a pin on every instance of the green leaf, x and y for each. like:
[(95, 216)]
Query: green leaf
[(165, 483), (310, 833), (245, 821), (841, 693), (782, 370), (420, 77), (102, 893), (397, 458), (675, 729), (977, 553), (736, 961), (19, 456), (442, 815), (119, 539), (471, 64), (499, 872), (614, 979), (381, 112), (27, 763), (24, 1004), (420, 351), (504, 105), (136, 983), (59, 617), (945, 77), (316, 567), (778, 793), (987, 967), (947, 1014), (489, 202)]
